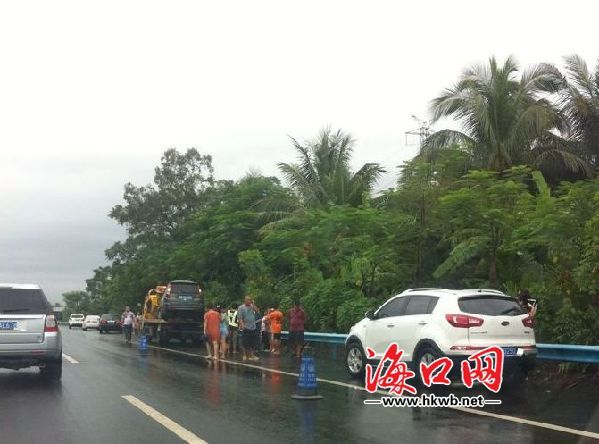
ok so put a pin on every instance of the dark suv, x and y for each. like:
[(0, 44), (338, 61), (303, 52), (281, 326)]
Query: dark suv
[(29, 334), (182, 299), (110, 322)]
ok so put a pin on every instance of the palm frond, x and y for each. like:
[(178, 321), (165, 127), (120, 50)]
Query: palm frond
[(578, 72), (445, 139)]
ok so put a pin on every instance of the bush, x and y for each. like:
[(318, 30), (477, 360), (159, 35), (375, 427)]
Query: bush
[(352, 311)]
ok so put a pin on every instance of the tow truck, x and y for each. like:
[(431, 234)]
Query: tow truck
[(174, 311)]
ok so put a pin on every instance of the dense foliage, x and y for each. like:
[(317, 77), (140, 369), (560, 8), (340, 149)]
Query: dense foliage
[(509, 202)]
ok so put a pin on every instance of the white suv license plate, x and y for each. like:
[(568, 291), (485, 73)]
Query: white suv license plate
[(8, 325), (510, 351)]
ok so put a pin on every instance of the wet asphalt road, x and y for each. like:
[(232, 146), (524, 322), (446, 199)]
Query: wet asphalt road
[(225, 403)]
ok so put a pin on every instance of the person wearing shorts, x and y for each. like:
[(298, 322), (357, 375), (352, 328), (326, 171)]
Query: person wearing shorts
[(224, 331), (297, 321), (212, 331), (247, 326), (275, 318)]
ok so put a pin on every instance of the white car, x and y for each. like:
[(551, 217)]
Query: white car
[(91, 321), (76, 320), (431, 323)]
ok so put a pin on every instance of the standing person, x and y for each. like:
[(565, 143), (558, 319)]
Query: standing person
[(224, 332), (266, 340), (258, 332), (247, 326), (233, 328), (297, 321), (276, 325), (525, 303), (127, 319), (212, 331)]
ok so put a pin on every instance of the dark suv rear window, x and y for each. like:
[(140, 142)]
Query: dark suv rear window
[(184, 288), (490, 306), (110, 317), (17, 301)]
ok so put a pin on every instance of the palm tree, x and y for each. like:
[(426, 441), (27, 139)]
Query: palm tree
[(323, 176), (506, 121), (580, 104)]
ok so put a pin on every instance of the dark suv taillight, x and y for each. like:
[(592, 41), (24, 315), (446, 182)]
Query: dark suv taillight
[(51, 325), (463, 320)]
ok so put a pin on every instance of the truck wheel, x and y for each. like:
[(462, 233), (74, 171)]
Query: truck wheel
[(162, 338)]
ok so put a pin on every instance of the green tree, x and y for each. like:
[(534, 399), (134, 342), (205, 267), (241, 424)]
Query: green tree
[(179, 190), (580, 105), (420, 185), (76, 301), (323, 175), (480, 218), (209, 244), (507, 120)]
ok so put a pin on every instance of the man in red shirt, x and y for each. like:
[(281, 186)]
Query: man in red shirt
[(275, 319), (297, 321), (212, 331)]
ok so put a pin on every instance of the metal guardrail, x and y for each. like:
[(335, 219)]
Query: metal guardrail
[(587, 354)]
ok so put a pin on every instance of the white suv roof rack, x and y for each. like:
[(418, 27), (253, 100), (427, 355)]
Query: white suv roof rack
[(489, 290)]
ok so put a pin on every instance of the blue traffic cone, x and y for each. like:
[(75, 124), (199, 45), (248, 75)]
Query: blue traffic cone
[(142, 343), (307, 384)]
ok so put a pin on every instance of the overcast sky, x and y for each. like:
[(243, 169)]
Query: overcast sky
[(91, 94)]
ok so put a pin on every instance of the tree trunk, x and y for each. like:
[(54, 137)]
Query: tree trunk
[(493, 270)]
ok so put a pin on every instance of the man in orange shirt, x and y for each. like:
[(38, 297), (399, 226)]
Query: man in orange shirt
[(275, 319), (212, 331)]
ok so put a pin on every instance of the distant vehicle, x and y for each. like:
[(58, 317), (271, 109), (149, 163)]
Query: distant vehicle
[(91, 321), (76, 320), (110, 322), (29, 334), (431, 323)]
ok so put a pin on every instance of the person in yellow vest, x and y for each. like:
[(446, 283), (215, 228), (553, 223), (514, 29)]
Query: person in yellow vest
[(233, 328)]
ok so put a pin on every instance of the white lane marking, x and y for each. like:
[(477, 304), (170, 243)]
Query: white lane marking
[(168, 423), (70, 359), (515, 419)]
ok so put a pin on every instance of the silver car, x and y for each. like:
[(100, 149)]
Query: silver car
[(29, 334)]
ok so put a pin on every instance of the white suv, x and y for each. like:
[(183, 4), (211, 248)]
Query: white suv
[(431, 323)]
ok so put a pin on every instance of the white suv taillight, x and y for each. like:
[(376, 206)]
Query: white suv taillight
[(463, 321), (527, 322), (51, 325)]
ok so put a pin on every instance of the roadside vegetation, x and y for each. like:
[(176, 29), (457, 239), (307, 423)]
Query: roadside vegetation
[(509, 201)]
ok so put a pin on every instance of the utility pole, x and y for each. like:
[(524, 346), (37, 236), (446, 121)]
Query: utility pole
[(423, 131)]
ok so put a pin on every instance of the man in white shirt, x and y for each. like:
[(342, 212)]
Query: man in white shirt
[(127, 322)]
